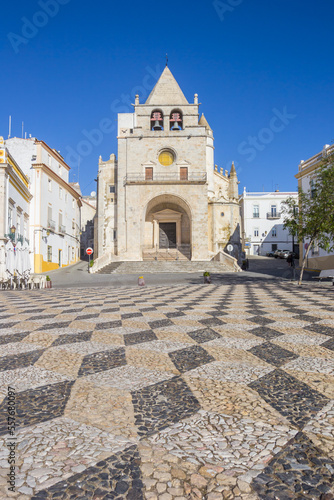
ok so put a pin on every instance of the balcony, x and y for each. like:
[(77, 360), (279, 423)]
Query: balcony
[(62, 229), (166, 178), (51, 225), (273, 215)]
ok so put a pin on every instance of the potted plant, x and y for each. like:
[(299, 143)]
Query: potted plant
[(207, 277), (141, 281), (48, 282)]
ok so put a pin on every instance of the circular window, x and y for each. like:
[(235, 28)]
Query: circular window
[(166, 158)]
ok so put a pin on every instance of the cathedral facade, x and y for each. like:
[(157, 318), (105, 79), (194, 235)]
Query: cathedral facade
[(162, 197)]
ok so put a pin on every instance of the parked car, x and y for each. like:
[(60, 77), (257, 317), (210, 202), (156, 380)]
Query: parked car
[(284, 254), (276, 253), (270, 254)]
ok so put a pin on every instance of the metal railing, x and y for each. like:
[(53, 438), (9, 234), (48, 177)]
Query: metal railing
[(62, 229), (51, 225), (166, 177), (273, 215)]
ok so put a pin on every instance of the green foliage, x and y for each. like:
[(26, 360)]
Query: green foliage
[(206, 273), (312, 216), (48, 278), (91, 263)]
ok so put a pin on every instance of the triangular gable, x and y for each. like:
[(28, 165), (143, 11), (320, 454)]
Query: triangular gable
[(166, 91)]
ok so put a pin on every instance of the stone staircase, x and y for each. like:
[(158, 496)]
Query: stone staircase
[(170, 254), (157, 266)]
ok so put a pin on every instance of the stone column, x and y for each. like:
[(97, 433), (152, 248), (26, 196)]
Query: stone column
[(155, 233), (178, 232)]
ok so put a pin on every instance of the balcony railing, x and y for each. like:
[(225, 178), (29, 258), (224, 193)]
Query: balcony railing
[(62, 229), (51, 225), (273, 215), (166, 178)]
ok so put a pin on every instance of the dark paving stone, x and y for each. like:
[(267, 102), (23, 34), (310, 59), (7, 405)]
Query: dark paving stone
[(8, 325), (163, 404), (108, 324), (88, 316), (73, 338), (45, 316), (20, 360), (329, 344), (218, 313), (37, 405), (117, 477), (174, 314), (211, 321), (295, 310), (147, 309), (73, 310), (110, 309), (266, 333), (325, 330), (293, 399), (256, 311), (102, 361), (13, 337), (160, 323), (204, 335), (190, 358), (300, 470), (53, 326), (306, 317), (131, 315), (139, 337), (260, 320), (273, 354)]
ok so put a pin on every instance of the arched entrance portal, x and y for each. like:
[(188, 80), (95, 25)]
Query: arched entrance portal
[(167, 229)]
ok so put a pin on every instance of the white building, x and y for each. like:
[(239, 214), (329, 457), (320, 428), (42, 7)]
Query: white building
[(55, 209), (317, 258), (15, 199), (262, 223)]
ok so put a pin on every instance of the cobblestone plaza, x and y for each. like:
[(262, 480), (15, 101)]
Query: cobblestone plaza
[(183, 392)]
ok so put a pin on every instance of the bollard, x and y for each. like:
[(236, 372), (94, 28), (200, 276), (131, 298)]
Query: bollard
[(141, 281)]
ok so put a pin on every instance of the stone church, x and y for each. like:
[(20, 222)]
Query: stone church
[(163, 197)]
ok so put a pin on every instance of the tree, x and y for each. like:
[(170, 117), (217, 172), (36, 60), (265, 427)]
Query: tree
[(312, 216)]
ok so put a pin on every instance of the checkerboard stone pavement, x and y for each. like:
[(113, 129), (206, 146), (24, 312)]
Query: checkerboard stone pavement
[(185, 392)]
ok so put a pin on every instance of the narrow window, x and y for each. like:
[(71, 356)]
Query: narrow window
[(49, 185), (183, 173), (256, 211), (274, 232), (49, 253), (256, 232), (149, 174), (273, 210)]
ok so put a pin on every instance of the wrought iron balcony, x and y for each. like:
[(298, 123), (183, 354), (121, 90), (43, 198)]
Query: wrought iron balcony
[(166, 178), (62, 229), (273, 215), (51, 225)]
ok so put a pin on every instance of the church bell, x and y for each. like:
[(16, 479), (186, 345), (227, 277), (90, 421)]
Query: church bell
[(175, 126), (157, 125)]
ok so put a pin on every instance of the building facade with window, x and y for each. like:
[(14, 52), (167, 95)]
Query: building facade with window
[(55, 208), (15, 202), (262, 223), (318, 258), (163, 197)]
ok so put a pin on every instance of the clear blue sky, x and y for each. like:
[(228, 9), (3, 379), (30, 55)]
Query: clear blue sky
[(250, 61)]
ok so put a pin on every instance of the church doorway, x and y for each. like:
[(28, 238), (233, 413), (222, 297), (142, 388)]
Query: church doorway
[(167, 235)]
